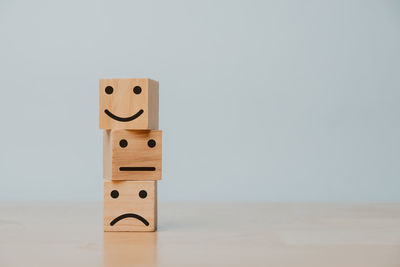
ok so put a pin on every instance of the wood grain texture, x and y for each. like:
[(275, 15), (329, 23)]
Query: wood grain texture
[(137, 153), (204, 234), (130, 202), (124, 103), (107, 154), (154, 104)]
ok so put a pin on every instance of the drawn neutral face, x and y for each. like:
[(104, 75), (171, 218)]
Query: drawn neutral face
[(128, 104), (130, 205), (132, 155)]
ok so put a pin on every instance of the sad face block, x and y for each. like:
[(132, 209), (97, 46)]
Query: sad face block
[(130, 205), (132, 155), (128, 104)]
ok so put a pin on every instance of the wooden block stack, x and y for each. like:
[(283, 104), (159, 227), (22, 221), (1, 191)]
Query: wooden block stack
[(132, 151)]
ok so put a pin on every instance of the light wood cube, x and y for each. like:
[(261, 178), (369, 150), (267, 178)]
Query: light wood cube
[(132, 154), (128, 104), (130, 205)]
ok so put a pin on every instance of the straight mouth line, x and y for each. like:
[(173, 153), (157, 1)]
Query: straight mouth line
[(130, 169)]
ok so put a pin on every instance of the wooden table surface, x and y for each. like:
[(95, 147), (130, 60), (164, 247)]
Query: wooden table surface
[(204, 235)]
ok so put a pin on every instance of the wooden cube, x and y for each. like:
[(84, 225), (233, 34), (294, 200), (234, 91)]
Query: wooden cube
[(128, 104), (132, 154), (130, 205)]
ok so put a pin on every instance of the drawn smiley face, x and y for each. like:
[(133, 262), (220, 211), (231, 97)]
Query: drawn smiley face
[(128, 104), (132, 155), (137, 90), (130, 205)]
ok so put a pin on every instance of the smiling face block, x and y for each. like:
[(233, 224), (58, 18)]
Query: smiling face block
[(128, 104), (130, 205), (132, 155)]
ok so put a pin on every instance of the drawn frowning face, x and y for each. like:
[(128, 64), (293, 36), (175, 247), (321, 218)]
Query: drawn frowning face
[(130, 205)]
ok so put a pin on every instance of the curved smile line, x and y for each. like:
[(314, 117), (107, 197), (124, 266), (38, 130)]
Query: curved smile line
[(131, 118), (129, 215)]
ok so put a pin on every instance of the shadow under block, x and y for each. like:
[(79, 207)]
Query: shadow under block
[(128, 104), (130, 206), (132, 155)]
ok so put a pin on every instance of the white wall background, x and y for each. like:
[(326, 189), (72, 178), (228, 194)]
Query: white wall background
[(260, 100)]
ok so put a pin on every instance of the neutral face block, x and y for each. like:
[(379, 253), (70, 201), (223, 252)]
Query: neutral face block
[(128, 104), (130, 206), (132, 155)]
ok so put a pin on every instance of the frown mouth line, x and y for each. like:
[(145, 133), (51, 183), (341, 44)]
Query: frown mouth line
[(148, 169), (129, 215)]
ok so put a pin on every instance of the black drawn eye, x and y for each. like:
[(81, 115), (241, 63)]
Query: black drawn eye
[(123, 143), (151, 143), (142, 194), (109, 90), (114, 194), (137, 90)]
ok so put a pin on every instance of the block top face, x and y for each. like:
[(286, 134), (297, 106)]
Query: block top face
[(132, 155), (128, 104), (130, 205)]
